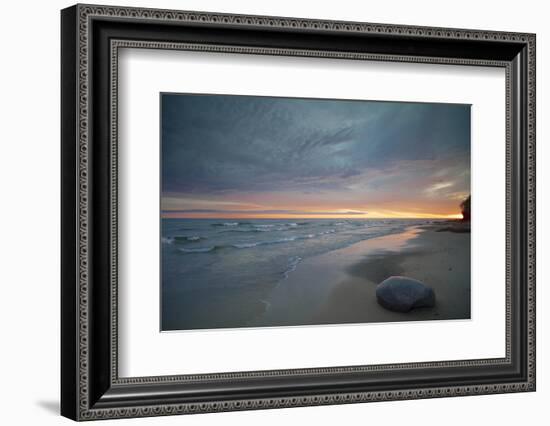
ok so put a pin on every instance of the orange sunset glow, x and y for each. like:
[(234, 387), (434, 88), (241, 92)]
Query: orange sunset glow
[(313, 215)]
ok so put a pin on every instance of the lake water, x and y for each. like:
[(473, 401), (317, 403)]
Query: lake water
[(220, 273)]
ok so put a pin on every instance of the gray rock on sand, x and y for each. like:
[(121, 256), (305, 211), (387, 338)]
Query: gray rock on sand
[(402, 294)]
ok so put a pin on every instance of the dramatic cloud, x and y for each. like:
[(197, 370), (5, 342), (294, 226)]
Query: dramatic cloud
[(227, 154)]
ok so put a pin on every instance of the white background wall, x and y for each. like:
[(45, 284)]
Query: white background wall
[(29, 211)]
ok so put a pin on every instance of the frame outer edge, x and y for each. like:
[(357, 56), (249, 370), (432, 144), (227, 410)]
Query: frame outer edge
[(83, 12), (531, 200), (83, 197), (69, 221)]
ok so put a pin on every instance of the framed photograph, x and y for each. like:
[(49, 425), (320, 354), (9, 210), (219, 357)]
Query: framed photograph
[(263, 212)]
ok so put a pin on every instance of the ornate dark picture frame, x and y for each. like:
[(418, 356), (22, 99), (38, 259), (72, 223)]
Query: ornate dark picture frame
[(90, 385)]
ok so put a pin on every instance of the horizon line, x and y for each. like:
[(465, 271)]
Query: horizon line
[(450, 216)]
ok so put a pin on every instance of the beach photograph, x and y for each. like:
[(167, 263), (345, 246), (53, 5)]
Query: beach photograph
[(279, 211)]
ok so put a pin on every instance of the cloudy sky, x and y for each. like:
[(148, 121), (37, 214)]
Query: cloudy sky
[(245, 157)]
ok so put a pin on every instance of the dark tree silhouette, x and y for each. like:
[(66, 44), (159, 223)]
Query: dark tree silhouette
[(465, 208)]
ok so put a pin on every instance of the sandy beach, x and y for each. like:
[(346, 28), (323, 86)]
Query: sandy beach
[(339, 286)]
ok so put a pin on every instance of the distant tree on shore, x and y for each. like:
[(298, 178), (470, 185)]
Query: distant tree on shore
[(465, 208)]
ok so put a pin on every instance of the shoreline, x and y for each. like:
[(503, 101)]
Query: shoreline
[(339, 287)]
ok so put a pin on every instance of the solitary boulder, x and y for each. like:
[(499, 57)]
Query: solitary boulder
[(402, 294)]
